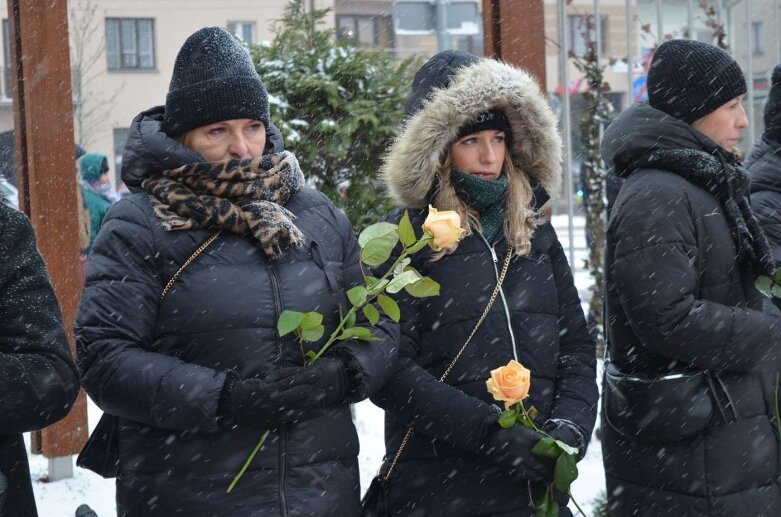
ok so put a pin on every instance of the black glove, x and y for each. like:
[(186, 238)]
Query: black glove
[(568, 433), (326, 381), (512, 449), (284, 396)]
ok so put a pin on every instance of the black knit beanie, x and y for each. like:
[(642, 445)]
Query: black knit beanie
[(773, 108), (213, 80), (492, 119), (689, 79)]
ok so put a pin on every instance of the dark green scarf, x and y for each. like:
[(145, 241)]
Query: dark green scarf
[(485, 196)]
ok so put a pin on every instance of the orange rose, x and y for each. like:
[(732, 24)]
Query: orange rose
[(444, 226), (510, 383)]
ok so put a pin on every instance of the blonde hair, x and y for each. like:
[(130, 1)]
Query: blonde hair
[(520, 220), (186, 139)]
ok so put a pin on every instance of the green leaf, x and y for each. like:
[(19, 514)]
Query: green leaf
[(402, 266), (313, 334), (764, 284), (533, 413), (389, 307), (423, 288), (378, 287), (424, 240), (357, 295), (507, 420), (359, 333), (406, 231), (310, 356), (371, 281), (377, 231), (398, 283), (378, 251), (350, 323), (567, 449), (777, 276), (546, 506), (565, 472), (546, 448), (288, 322), (311, 320), (371, 313)]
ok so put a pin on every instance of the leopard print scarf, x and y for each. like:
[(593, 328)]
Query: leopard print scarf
[(245, 197)]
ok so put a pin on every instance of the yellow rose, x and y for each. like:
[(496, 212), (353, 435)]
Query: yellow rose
[(444, 226), (510, 383)]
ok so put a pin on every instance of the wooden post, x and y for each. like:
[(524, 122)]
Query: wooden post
[(515, 33), (46, 174)]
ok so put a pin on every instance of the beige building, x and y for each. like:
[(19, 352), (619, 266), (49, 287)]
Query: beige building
[(123, 52)]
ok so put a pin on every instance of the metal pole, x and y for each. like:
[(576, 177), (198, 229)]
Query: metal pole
[(629, 60), (776, 9), (40, 65), (443, 36), (659, 28), (565, 125), (597, 30), (750, 74), (690, 19)]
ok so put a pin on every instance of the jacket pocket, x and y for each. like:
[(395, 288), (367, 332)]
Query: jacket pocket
[(333, 270), (664, 409)]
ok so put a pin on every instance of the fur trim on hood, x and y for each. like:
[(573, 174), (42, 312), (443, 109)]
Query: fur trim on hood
[(411, 165)]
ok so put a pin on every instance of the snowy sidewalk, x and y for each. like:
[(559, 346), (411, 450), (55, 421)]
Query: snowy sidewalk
[(60, 498)]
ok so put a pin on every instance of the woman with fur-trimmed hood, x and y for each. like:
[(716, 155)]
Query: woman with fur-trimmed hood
[(480, 139)]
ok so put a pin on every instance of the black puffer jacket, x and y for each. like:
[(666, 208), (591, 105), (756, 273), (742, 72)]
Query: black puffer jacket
[(764, 165), (161, 366), (678, 302), (537, 320), (38, 379)]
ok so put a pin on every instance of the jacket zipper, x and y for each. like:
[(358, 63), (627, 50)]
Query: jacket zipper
[(501, 294), (283, 429)]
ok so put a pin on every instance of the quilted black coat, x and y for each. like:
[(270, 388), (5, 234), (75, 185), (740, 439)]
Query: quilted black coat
[(38, 379), (160, 366), (678, 302)]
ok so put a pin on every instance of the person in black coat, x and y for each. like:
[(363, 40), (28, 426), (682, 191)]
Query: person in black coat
[(38, 379), (479, 138), (764, 166), (694, 348), (197, 376)]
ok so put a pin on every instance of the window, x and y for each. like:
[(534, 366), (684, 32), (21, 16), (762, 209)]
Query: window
[(245, 31), (130, 43), (757, 38), (368, 30), (7, 91), (577, 32)]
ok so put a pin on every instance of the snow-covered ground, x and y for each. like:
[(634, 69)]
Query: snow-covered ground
[(60, 498)]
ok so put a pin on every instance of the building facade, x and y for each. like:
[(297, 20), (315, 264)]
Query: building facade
[(123, 52)]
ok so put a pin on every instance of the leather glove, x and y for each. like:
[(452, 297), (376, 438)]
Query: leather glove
[(512, 449), (568, 433), (284, 396)]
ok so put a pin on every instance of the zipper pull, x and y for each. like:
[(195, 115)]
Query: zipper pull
[(493, 254)]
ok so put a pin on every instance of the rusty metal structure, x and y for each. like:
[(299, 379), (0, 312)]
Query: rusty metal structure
[(43, 122)]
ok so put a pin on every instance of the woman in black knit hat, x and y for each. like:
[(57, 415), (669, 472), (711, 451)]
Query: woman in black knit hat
[(694, 348), (186, 353), (479, 138)]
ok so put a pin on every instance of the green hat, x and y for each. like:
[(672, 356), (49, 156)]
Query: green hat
[(93, 166)]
